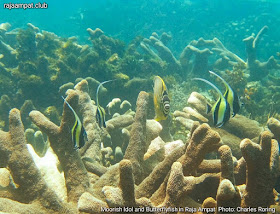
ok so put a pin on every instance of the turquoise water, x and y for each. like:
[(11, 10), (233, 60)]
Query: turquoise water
[(131, 21), (165, 48), (184, 19)]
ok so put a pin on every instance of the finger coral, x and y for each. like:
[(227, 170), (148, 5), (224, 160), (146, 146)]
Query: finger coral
[(31, 187), (182, 178), (274, 126), (262, 169)]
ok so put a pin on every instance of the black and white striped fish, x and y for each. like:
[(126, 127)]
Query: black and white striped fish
[(230, 96), (79, 135), (221, 109)]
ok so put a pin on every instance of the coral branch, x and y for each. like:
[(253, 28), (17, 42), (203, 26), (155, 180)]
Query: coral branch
[(220, 48), (163, 52), (259, 35), (274, 126), (258, 70), (151, 183), (226, 164), (127, 183), (262, 169), (203, 141), (227, 195), (92, 148), (137, 143), (60, 139), (175, 184)]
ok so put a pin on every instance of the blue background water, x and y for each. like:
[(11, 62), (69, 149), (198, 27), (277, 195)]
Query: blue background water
[(184, 19)]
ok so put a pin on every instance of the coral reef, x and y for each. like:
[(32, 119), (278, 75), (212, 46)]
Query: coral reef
[(231, 133), (76, 177), (179, 178), (30, 187), (194, 57), (40, 61), (136, 162)]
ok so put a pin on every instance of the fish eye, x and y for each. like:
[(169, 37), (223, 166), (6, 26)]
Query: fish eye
[(166, 105)]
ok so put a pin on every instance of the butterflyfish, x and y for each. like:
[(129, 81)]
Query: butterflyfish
[(161, 99), (100, 112), (221, 109), (230, 96), (79, 135)]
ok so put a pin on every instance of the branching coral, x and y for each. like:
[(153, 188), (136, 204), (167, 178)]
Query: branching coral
[(76, 177), (262, 170), (75, 173), (231, 133), (274, 126), (194, 57), (163, 52), (182, 179), (137, 143), (31, 187), (170, 174), (258, 70)]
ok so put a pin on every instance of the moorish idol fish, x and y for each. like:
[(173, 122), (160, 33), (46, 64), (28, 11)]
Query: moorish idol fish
[(79, 135), (230, 96), (161, 99), (100, 112), (221, 109)]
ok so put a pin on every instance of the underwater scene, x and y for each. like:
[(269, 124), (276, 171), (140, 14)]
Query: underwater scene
[(152, 106)]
